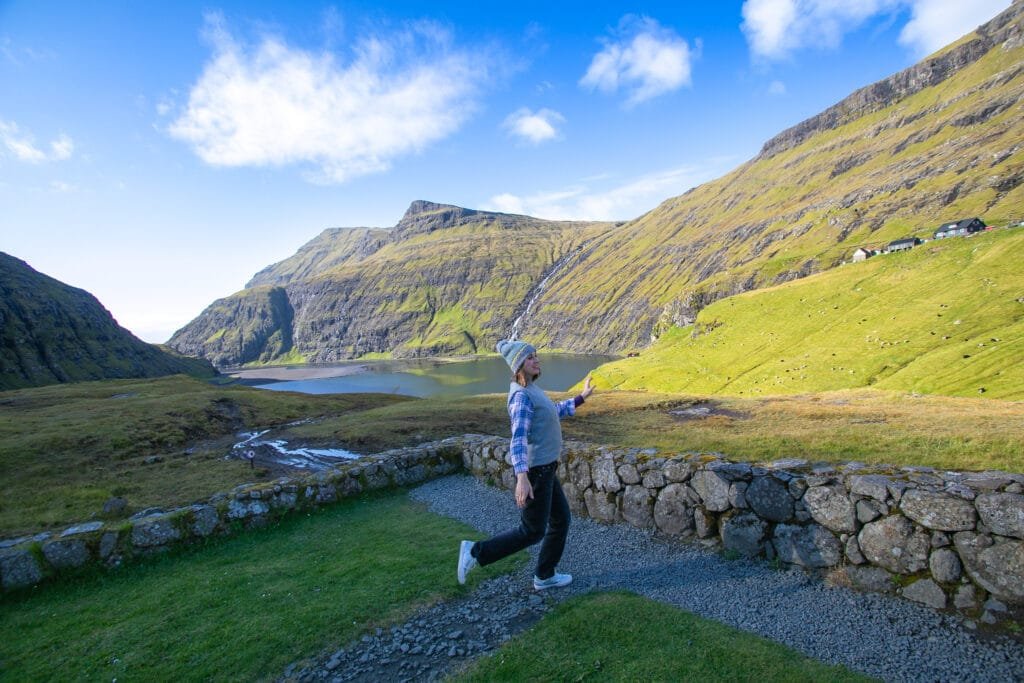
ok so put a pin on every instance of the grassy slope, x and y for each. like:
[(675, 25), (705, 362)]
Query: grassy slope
[(66, 449), (900, 171), (943, 318)]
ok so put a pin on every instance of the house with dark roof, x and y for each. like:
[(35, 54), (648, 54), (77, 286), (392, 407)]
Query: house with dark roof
[(862, 254), (966, 226), (903, 244)]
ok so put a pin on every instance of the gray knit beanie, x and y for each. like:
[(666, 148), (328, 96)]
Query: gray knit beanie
[(515, 352)]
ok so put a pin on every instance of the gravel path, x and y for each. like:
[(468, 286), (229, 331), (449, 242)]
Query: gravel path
[(882, 636)]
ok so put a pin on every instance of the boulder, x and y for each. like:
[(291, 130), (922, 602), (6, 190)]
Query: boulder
[(703, 523), (939, 511), (1002, 513), (770, 498), (996, 567), (945, 565), (605, 477), (601, 506), (853, 553), (678, 471), (966, 597), (628, 474), (713, 490), (894, 543), (874, 486), (66, 554), (672, 514), (926, 592), (809, 546), (637, 507), (738, 495), (869, 510), (871, 579), (19, 568), (204, 520), (831, 507), (156, 531), (653, 479), (744, 533)]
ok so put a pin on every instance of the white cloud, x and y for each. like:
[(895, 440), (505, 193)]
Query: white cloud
[(776, 88), (616, 201), (645, 59), (936, 23), (274, 104), (62, 187), (22, 145), (777, 28), (534, 127)]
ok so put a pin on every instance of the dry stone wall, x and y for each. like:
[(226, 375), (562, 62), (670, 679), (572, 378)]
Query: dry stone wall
[(29, 560), (944, 539)]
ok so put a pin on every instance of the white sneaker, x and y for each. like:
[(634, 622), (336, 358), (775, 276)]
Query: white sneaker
[(466, 560), (556, 580)]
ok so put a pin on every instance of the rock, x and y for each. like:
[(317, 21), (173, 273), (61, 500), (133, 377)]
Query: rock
[(938, 510), (871, 579), (966, 597), (927, 592), (895, 544), (738, 495), (945, 565), (637, 507), (204, 520), (870, 486), (994, 605), (68, 554), (940, 540), (154, 531), (115, 507), (733, 471), (653, 479), (998, 568), (678, 471), (628, 474), (579, 473), (86, 528), (108, 543), (605, 477), (869, 510), (19, 569), (853, 553), (744, 533), (797, 488), (672, 515), (238, 509), (704, 523), (1003, 513), (770, 498), (809, 546), (831, 507), (601, 506), (713, 490)]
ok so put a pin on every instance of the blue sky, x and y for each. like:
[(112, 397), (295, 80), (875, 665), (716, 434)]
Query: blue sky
[(158, 154)]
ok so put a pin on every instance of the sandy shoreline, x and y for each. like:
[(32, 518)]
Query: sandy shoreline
[(284, 373)]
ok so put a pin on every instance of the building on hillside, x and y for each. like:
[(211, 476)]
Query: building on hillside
[(903, 244), (966, 226), (862, 254)]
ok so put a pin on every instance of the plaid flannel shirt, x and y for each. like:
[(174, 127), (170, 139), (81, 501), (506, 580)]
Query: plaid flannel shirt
[(520, 410)]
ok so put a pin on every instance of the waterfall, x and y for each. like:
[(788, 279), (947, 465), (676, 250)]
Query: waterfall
[(558, 265)]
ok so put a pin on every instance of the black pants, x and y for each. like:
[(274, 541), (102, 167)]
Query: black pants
[(546, 516)]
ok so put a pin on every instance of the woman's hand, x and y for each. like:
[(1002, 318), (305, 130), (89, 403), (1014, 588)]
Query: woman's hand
[(523, 489), (588, 388)]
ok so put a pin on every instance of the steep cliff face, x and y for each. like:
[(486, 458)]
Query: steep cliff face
[(444, 280), (937, 142), (51, 332)]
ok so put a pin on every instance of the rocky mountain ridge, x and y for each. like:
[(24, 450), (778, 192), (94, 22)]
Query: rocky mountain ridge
[(936, 142), (51, 332)]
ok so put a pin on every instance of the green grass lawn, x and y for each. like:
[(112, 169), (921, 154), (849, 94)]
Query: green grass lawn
[(624, 637), (241, 608), (245, 607)]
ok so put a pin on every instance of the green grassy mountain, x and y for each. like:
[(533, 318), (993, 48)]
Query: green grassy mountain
[(937, 142), (944, 318), (51, 332), (444, 280), (934, 143)]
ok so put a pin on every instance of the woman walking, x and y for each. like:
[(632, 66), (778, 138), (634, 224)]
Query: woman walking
[(535, 447)]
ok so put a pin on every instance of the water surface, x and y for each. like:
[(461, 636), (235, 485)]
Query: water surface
[(423, 377)]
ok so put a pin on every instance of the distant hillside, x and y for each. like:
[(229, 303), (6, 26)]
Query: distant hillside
[(944, 318), (937, 142), (444, 280), (51, 332)]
